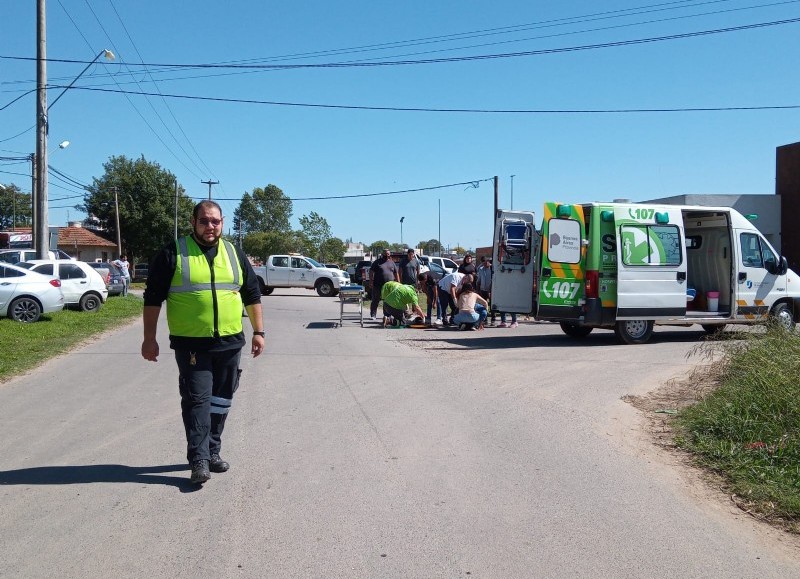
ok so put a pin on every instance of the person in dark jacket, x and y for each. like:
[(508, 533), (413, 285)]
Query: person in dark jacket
[(427, 282), (205, 281), (467, 265), (382, 270)]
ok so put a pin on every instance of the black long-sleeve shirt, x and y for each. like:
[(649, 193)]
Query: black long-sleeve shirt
[(159, 279)]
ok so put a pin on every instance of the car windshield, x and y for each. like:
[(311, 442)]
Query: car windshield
[(314, 263), (24, 264)]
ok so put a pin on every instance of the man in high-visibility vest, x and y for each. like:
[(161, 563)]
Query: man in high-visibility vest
[(205, 281)]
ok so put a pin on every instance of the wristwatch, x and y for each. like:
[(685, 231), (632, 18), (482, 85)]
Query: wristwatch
[(262, 334)]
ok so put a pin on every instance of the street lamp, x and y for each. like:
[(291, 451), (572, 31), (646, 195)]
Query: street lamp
[(105, 52), (401, 230), (41, 229)]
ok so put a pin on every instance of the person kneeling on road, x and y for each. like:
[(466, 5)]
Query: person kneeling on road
[(396, 298), (471, 308)]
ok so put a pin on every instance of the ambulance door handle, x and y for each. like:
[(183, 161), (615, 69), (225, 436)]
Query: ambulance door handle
[(742, 276), (546, 272), (681, 276)]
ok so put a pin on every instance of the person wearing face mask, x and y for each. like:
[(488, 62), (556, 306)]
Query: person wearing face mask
[(206, 282)]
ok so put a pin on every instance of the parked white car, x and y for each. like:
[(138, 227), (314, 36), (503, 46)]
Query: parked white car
[(82, 285), (17, 255), (26, 295), (443, 262)]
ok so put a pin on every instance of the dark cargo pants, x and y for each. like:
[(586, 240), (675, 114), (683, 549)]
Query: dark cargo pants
[(206, 387)]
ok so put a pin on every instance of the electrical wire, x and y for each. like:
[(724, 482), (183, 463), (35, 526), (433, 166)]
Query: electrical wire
[(477, 57), (166, 103), (454, 110)]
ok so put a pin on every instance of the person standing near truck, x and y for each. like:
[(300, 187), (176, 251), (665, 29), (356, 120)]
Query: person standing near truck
[(383, 270), (205, 281), (124, 267), (409, 268), (483, 282)]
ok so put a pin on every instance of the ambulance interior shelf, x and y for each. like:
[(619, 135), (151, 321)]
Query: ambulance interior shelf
[(515, 245)]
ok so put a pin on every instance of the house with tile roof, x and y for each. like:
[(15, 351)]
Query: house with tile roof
[(85, 245)]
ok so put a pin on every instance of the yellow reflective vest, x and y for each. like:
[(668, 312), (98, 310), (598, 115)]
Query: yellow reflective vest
[(205, 303)]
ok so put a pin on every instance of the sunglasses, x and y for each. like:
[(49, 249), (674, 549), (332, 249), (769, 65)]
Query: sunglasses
[(207, 222)]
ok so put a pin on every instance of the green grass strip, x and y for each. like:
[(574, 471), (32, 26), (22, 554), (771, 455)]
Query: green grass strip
[(748, 429), (25, 346)]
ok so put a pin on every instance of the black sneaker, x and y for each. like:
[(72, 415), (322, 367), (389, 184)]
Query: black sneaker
[(216, 464), (200, 473)]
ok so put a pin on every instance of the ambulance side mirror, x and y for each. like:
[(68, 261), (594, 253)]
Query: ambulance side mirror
[(777, 268)]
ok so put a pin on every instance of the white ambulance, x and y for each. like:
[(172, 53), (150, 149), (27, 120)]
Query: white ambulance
[(629, 266)]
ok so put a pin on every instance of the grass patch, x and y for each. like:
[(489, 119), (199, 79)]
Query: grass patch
[(748, 429), (25, 346)]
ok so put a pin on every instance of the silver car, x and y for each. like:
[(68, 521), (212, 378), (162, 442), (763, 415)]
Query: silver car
[(26, 295)]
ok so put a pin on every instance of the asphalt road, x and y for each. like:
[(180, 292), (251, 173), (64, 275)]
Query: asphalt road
[(367, 453)]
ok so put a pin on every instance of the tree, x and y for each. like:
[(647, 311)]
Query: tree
[(377, 247), (13, 202), (146, 195), (316, 229), (267, 209), (429, 247), (458, 250), (332, 250), (265, 243)]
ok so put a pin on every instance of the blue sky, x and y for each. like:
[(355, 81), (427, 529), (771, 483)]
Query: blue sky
[(326, 152)]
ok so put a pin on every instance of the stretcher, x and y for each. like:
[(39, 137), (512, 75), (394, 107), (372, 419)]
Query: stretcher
[(351, 296)]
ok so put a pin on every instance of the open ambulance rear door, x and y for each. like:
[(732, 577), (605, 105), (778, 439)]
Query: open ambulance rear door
[(651, 262), (563, 262), (513, 265)]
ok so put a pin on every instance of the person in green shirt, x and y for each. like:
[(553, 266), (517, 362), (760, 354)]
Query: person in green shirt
[(396, 297)]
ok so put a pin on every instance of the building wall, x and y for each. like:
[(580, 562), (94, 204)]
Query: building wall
[(766, 207), (787, 189)]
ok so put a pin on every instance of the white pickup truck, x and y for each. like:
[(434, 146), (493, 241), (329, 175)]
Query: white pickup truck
[(299, 271)]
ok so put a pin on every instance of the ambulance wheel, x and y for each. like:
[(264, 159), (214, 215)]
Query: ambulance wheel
[(781, 314), (712, 329), (574, 330), (634, 331)]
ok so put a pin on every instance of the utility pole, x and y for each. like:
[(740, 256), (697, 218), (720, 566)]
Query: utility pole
[(119, 236), (176, 208), (440, 227), (496, 201), (512, 191), (41, 236), (210, 183)]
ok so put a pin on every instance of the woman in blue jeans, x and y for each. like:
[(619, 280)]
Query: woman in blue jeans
[(471, 308)]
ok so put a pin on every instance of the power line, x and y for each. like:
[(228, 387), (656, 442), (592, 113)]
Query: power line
[(135, 108), (518, 54), (454, 110), (155, 84), (502, 30)]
